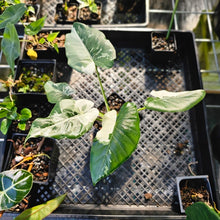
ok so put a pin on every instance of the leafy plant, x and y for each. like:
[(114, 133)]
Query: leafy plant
[(8, 110), (86, 50), (88, 3), (202, 211), (15, 186)]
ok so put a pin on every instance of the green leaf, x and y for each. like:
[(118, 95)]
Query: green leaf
[(5, 124), (34, 27), (58, 91), (22, 125), (12, 14), (115, 142), (52, 36), (165, 101), (14, 186), (42, 41), (93, 7), (87, 47), (25, 114), (41, 211), (69, 118), (55, 46), (31, 9), (10, 45), (201, 211)]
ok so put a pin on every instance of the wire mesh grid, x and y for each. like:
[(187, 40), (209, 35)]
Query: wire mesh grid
[(152, 168)]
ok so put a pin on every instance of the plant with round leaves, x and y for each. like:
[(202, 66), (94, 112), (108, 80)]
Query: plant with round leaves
[(86, 50)]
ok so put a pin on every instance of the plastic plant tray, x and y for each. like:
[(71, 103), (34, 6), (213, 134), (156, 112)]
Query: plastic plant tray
[(155, 164), (111, 15)]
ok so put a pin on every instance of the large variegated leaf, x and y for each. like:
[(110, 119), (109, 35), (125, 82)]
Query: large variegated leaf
[(12, 14), (115, 142), (41, 211), (58, 91), (69, 118), (87, 48), (10, 45), (165, 101), (14, 186)]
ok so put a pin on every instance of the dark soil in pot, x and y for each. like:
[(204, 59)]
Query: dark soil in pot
[(66, 15), (160, 43), (194, 190), (37, 165), (88, 17)]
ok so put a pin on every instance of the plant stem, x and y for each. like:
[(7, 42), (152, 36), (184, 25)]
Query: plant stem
[(171, 21), (140, 109), (102, 90)]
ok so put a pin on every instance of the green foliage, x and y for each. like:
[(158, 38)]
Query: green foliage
[(58, 91), (34, 27), (89, 3), (115, 142), (10, 45), (41, 211), (12, 14), (87, 48), (8, 111), (201, 211), (69, 118), (14, 186)]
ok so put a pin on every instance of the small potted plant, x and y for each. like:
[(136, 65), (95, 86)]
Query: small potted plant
[(67, 12), (193, 189), (31, 75), (38, 156), (89, 11), (163, 43)]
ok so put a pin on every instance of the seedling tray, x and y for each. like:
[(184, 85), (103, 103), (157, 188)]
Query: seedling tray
[(114, 13), (157, 161)]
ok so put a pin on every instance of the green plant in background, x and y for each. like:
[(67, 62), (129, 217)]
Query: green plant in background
[(202, 211), (10, 43), (86, 50), (9, 111), (88, 3)]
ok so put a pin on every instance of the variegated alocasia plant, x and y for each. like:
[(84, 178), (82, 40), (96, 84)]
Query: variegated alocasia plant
[(87, 49)]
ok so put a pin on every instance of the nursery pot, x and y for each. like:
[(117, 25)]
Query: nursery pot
[(192, 189), (88, 17), (44, 168), (43, 51), (162, 48), (66, 15), (33, 74)]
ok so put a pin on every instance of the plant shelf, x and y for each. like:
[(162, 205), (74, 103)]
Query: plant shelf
[(155, 164)]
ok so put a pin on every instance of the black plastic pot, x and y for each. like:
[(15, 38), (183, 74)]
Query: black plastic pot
[(88, 17), (46, 168), (162, 48), (33, 74), (198, 185), (66, 16), (47, 52)]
